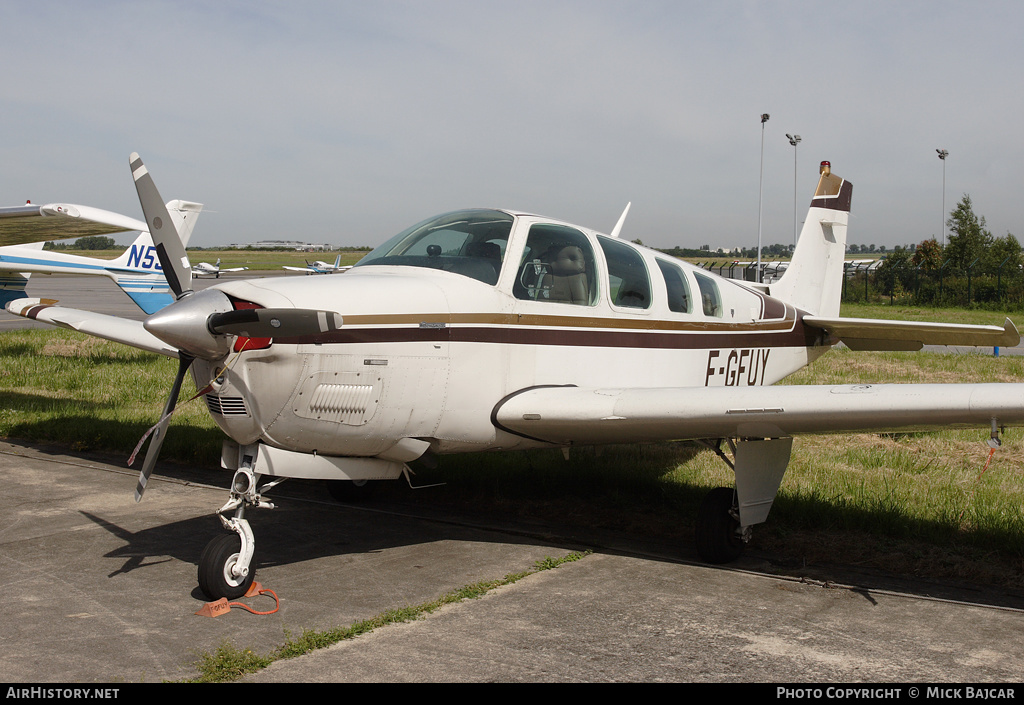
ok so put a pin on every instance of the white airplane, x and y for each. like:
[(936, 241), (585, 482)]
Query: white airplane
[(320, 267), (137, 271), (205, 269), (526, 332)]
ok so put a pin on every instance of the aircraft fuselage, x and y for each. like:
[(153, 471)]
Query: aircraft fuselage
[(427, 354)]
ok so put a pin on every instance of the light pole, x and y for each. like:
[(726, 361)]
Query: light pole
[(760, 191), (794, 140), (942, 155)]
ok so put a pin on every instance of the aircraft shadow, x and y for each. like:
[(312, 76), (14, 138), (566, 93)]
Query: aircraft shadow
[(525, 502)]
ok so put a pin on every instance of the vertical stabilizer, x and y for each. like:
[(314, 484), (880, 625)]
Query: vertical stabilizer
[(184, 214), (138, 273), (813, 282), (12, 286)]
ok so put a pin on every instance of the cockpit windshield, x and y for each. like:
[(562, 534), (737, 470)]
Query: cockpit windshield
[(471, 243)]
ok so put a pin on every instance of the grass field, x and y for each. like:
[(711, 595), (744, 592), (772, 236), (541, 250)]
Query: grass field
[(923, 504)]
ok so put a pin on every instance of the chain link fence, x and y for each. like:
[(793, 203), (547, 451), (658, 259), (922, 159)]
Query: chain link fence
[(901, 282)]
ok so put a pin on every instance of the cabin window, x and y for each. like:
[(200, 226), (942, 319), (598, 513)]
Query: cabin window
[(629, 285), (558, 266), (471, 243), (710, 299), (676, 286)]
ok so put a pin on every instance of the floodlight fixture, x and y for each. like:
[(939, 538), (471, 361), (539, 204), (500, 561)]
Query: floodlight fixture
[(794, 140), (760, 192), (942, 155)]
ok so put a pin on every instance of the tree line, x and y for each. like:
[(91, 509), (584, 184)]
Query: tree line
[(974, 267)]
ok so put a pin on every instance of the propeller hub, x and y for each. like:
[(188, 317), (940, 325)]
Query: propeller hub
[(183, 324)]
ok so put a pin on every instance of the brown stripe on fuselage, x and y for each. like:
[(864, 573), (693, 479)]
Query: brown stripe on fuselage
[(786, 321), (570, 331)]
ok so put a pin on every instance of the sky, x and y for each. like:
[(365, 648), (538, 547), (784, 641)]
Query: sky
[(345, 122)]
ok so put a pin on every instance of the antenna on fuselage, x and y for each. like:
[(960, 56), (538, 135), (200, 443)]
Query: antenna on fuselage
[(622, 219)]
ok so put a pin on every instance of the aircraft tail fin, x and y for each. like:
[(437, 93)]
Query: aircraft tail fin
[(12, 286), (337, 261), (184, 214), (813, 280), (137, 272)]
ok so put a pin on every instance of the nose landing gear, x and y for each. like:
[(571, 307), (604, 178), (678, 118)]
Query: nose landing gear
[(226, 567)]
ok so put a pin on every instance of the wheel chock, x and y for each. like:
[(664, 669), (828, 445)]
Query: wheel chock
[(215, 609), (222, 606)]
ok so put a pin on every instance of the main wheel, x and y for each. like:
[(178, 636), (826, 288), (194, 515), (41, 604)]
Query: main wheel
[(718, 531), (215, 578)]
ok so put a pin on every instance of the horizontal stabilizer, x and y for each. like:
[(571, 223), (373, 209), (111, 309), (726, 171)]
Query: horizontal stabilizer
[(876, 334), (119, 330)]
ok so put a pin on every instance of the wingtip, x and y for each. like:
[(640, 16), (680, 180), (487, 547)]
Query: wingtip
[(1012, 336)]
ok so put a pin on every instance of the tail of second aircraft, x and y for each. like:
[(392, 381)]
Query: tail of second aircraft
[(12, 284), (184, 214), (813, 281), (137, 271)]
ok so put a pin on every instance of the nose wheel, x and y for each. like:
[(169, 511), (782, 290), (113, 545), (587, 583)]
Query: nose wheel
[(222, 573)]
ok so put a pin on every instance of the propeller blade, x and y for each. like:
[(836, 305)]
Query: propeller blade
[(274, 322), (153, 452), (169, 249)]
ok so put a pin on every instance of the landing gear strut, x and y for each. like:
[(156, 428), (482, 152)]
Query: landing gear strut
[(726, 516), (226, 567)]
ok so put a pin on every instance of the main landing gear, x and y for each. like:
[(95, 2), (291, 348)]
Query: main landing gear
[(720, 539), (726, 516)]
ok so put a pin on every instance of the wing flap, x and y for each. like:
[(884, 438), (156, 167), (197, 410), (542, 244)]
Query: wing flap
[(119, 330), (573, 415), (877, 334)]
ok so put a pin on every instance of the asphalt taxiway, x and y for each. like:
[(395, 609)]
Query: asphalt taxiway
[(98, 588)]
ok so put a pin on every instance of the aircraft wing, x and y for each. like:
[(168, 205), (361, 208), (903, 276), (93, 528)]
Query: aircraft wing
[(60, 221), (575, 415), (119, 330), (874, 334)]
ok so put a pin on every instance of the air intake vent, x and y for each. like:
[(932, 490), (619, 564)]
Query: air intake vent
[(345, 403), (226, 406)]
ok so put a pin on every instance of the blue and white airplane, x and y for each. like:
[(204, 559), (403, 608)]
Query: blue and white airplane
[(205, 269), (24, 229), (320, 267)]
